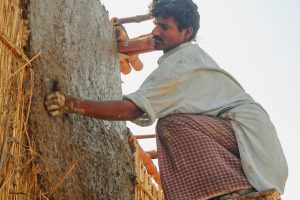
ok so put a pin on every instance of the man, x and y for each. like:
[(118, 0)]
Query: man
[(213, 138)]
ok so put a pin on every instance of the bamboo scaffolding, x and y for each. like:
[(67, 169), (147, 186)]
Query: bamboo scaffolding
[(17, 159), (146, 187)]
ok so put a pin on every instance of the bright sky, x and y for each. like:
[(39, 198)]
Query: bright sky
[(258, 42)]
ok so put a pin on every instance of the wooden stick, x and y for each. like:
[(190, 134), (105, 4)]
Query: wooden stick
[(134, 19), (145, 136)]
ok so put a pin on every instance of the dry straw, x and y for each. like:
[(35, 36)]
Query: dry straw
[(17, 153)]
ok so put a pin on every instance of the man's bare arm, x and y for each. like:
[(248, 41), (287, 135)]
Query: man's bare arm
[(58, 104)]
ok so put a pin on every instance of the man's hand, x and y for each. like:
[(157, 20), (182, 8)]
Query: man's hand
[(55, 104), (125, 67)]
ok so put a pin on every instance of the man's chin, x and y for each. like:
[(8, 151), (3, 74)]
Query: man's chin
[(158, 46)]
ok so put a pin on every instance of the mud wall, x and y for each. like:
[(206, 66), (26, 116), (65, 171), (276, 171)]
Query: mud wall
[(80, 157)]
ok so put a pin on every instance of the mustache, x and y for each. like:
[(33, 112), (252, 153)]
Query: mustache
[(155, 37)]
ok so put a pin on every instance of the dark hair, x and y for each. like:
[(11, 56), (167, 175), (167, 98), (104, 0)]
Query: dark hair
[(184, 12)]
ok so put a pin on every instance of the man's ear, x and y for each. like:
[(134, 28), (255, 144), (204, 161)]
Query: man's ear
[(188, 33)]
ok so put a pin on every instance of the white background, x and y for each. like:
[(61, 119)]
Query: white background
[(257, 41)]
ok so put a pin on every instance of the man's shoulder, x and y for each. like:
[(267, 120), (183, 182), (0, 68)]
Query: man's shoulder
[(188, 47), (184, 51), (192, 55)]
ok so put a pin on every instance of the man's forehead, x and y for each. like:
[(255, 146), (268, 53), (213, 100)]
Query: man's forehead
[(163, 20)]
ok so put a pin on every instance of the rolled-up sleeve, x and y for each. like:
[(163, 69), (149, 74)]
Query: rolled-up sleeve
[(142, 102)]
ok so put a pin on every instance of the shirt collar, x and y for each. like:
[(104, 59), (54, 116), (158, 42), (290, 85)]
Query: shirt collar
[(170, 52)]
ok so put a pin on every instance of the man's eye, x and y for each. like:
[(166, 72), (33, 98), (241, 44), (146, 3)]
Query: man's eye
[(164, 28)]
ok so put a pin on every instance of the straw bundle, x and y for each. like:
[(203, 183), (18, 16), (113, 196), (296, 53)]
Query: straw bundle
[(17, 168)]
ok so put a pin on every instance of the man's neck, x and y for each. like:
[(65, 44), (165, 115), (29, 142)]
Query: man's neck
[(166, 50)]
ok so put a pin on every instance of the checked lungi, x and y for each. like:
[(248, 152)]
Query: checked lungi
[(198, 157)]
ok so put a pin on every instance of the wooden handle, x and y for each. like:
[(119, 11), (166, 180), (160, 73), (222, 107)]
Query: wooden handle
[(135, 19)]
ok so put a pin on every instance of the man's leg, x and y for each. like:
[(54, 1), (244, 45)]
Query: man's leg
[(198, 157)]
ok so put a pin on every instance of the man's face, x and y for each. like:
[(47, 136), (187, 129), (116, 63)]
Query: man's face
[(166, 34)]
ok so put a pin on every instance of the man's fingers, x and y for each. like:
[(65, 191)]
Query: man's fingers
[(51, 107), (54, 101), (55, 113), (55, 98), (53, 95), (51, 100)]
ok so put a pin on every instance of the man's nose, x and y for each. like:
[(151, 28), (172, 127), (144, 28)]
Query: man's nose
[(156, 31)]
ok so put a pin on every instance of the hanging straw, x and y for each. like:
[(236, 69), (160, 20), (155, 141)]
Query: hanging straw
[(18, 169)]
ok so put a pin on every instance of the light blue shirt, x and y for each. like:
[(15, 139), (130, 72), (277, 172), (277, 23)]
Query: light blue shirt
[(188, 80)]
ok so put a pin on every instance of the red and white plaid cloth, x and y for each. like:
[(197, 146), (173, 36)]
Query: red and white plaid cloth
[(198, 157)]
